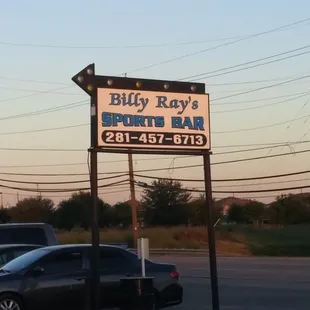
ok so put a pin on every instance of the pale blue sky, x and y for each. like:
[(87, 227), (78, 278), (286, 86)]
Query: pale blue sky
[(79, 33)]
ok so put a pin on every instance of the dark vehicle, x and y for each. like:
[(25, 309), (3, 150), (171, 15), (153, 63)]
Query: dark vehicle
[(28, 233), (54, 278), (10, 251)]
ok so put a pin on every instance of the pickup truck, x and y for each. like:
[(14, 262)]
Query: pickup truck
[(28, 233)]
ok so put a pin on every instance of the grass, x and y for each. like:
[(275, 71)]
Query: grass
[(233, 241)]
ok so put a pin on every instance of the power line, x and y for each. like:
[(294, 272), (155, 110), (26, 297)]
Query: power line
[(233, 185), (87, 124), (262, 88), (61, 196), (160, 169), (266, 145), (230, 180), (59, 190), (250, 82), (251, 197), (220, 98), (155, 158), (154, 177), (48, 110), (42, 149), (218, 46), (251, 150), (259, 157), (263, 190), (118, 46), (148, 158), (261, 106), (100, 162), (260, 144), (40, 91), (35, 94), (43, 129), (145, 185), (260, 127), (85, 102), (261, 99), (202, 76), (33, 81), (261, 184), (62, 182)]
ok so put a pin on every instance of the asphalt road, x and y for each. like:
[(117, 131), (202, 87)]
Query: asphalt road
[(245, 283)]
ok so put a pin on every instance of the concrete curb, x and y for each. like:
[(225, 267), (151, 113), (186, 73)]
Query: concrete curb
[(176, 252)]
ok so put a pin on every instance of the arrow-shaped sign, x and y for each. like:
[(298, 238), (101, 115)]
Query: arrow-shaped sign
[(85, 79)]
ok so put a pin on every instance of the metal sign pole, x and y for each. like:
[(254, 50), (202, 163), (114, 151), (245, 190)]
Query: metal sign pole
[(211, 231), (86, 79), (95, 257)]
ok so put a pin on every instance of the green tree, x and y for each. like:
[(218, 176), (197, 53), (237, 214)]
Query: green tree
[(77, 211), (289, 210), (236, 213), (122, 214), (33, 209), (166, 203), (254, 212), (199, 208), (4, 216)]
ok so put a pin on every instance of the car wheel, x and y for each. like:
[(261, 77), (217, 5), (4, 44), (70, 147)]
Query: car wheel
[(10, 302)]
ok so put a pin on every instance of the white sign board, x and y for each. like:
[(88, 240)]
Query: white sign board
[(149, 119), (143, 248), (143, 252)]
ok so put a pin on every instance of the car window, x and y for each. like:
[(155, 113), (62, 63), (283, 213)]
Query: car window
[(60, 263), (3, 258), (23, 235), (16, 253), (113, 260), (25, 261), (11, 254)]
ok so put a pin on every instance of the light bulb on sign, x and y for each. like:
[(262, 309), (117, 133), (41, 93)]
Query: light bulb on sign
[(90, 71), (90, 87), (193, 87), (80, 79)]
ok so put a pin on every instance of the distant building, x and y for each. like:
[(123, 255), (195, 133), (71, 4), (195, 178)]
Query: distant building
[(139, 204), (227, 202)]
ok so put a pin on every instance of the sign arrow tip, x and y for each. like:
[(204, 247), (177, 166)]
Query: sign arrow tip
[(85, 78)]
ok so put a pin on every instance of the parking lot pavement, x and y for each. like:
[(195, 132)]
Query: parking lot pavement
[(245, 283)]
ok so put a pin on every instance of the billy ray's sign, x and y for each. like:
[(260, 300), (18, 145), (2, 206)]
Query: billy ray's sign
[(147, 119)]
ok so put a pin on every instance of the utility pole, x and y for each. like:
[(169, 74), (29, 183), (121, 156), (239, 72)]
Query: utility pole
[(133, 198), (38, 190), (1, 200), (133, 201), (17, 196)]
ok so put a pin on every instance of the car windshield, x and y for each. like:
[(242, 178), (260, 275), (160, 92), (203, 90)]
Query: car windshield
[(23, 261)]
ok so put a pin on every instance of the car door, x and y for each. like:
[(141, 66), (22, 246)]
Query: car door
[(113, 266), (61, 284)]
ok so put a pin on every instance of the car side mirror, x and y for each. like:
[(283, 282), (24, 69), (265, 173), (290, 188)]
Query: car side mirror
[(37, 271)]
